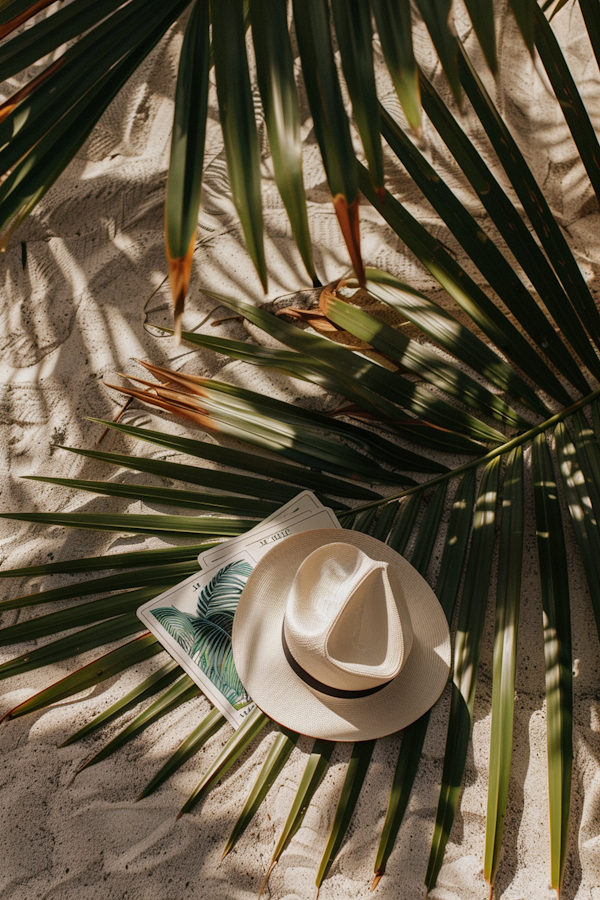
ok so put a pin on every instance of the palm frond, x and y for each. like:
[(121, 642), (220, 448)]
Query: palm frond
[(48, 119), (482, 390)]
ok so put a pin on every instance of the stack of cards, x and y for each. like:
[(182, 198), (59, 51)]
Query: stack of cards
[(193, 620)]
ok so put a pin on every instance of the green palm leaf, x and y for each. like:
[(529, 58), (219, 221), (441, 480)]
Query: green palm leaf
[(395, 33), (99, 670), (355, 40), (276, 759), (151, 685), (311, 19), (183, 690), (184, 183), (191, 745), (275, 76), (42, 127), (250, 728), (355, 776), (313, 773), (508, 596), (554, 582), (413, 738), (236, 110), (466, 658)]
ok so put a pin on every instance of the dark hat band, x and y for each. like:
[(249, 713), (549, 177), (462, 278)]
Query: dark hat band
[(318, 685)]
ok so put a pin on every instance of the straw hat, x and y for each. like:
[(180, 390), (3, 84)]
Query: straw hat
[(337, 636)]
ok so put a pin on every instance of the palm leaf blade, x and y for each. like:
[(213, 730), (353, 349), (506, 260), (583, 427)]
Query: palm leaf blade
[(413, 738), (99, 670), (275, 77), (74, 644), (151, 685), (183, 690), (170, 496), (192, 744), (557, 649), (236, 111), (533, 200), (252, 725), (466, 658), (568, 96), (184, 183), (245, 461), (483, 251), (353, 782), (276, 759), (355, 40), (505, 657), (332, 130), (395, 33), (311, 778)]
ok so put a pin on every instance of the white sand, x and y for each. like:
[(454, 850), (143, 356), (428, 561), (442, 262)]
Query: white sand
[(73, 317)]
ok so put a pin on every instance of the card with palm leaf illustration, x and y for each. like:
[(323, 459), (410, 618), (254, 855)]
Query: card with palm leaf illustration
[(193, 621)]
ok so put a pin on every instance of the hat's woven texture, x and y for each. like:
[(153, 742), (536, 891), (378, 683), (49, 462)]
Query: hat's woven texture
[(267, 676)]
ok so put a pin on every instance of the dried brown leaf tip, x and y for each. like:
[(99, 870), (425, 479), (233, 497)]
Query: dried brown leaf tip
[(180, 268)]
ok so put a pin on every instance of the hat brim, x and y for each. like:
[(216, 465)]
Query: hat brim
[(281, 694)]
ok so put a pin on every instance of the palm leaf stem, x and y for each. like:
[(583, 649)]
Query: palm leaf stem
[(517, 441)]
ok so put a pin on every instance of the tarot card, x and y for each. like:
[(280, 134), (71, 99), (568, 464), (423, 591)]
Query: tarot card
[(301, 505), (256, 545), (194, 619), (193, 622)]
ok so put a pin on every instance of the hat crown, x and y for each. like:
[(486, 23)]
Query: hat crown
[(346, 619)]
